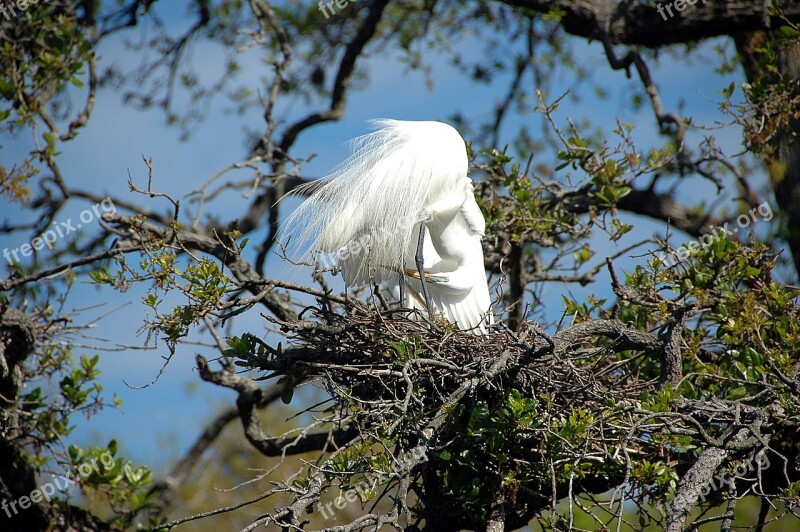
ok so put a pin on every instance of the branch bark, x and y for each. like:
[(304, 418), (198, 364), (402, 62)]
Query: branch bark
[(250, 397), (240, 268), (17, 477), (625, 337), (691, 485), (657, 24)]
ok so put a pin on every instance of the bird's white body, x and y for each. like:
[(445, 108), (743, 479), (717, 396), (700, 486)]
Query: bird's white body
[(453, 252), (368, 212)]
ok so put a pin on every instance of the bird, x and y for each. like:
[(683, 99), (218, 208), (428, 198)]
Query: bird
[(401, 211)]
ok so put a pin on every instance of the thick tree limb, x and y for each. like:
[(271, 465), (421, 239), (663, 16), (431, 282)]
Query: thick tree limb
[(641, 23), (671, 365), (784, 163), (625, 337), (17, 337), (17, 477), (250, 397), (665, 207), (497, 519), (691, 485)]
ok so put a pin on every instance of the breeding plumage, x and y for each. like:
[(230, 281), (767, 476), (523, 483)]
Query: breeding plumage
[(403, 178)]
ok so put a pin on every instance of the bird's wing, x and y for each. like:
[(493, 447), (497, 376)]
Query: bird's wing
[(458, 288), (472, 213), (470, 309)]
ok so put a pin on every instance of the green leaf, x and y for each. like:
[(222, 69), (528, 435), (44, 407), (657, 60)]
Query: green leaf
[(287, 394)]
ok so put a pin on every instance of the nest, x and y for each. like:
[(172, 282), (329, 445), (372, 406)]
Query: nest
[(394, 372)]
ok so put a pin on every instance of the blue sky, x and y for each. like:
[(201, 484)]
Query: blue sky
[(156, 424)]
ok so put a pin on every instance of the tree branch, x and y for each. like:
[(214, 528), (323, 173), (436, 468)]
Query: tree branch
[(696, 478), (342, 81), (250, 397), (239, 267), (643, 23), (625, 337)]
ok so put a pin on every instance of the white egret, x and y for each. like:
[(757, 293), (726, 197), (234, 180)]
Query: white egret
[(402, 206)]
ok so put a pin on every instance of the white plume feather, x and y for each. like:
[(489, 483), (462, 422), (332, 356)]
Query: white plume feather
[(370, 209), (376, 197)]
